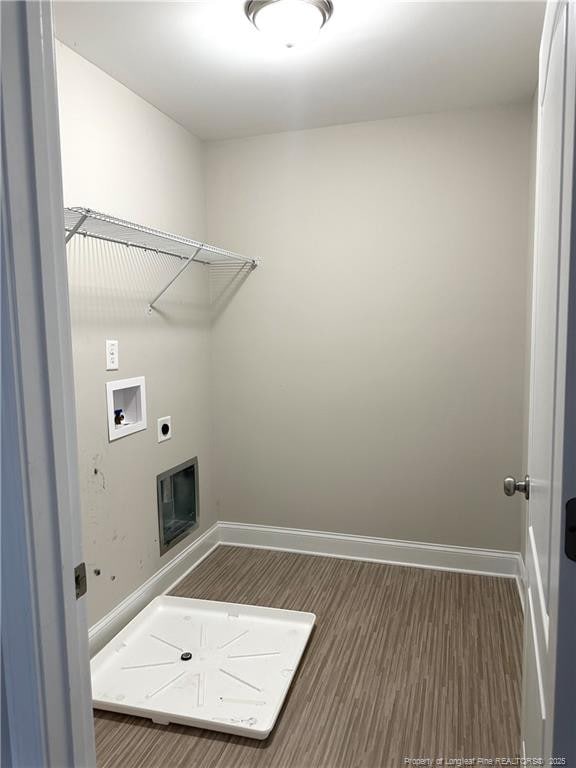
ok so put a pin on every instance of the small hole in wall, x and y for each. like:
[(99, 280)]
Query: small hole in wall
[(165, 429), (112, 578)]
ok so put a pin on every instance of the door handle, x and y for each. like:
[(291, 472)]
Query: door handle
[(512, 486)]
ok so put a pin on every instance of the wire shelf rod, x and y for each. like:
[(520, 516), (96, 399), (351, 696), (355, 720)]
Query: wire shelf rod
[(129, 244), (173, 280)]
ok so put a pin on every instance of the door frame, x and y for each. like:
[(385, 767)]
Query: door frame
[(46, 694), (559, 739)]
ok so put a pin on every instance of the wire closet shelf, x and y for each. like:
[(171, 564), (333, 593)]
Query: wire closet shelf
[(102, 226)]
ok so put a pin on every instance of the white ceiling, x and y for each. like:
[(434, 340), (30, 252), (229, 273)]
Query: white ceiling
[(203, 64)]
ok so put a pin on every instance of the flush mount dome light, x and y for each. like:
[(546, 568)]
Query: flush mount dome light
[(290, 22)]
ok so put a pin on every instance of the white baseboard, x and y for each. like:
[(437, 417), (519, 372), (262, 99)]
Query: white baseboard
[(162, 581), (443, 557)]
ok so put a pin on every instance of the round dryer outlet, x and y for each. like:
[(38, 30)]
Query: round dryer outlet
[(164, 429)]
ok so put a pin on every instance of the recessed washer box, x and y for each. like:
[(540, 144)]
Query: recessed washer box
[(221, 666), (126, 403)]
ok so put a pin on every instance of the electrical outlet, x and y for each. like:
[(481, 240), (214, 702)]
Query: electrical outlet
[(111, 355), (164, 429)]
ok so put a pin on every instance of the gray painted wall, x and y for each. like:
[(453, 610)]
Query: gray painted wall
[(122, 156), (369, 378)]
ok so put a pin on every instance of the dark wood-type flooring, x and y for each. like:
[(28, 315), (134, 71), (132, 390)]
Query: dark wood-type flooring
[(403, 662)]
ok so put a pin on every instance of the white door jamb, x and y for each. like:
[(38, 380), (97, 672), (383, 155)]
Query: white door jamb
[(47, 717)]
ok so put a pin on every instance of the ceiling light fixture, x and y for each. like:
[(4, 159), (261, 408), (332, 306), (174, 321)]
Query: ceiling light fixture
[(290, 22)]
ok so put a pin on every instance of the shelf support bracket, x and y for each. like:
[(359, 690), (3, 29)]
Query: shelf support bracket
[(76, 227), (173, 280)]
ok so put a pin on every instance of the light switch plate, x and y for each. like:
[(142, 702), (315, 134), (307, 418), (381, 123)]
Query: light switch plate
[(111, 354)]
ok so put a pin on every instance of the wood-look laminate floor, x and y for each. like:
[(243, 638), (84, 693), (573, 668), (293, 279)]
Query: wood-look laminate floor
[(403, 662)]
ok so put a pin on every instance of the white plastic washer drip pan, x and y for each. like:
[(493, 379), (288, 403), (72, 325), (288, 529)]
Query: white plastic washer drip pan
[(212, 665)]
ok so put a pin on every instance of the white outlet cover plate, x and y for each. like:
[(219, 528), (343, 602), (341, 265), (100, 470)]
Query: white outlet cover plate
[(244, 659), (164, 420)]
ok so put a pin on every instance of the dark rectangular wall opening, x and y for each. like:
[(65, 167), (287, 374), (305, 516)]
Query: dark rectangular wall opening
[(177, 490)]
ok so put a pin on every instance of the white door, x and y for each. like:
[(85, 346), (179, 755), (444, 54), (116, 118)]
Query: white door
[(544, 540)]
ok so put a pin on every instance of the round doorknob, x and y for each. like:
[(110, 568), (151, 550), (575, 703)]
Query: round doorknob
[(512, 486)]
